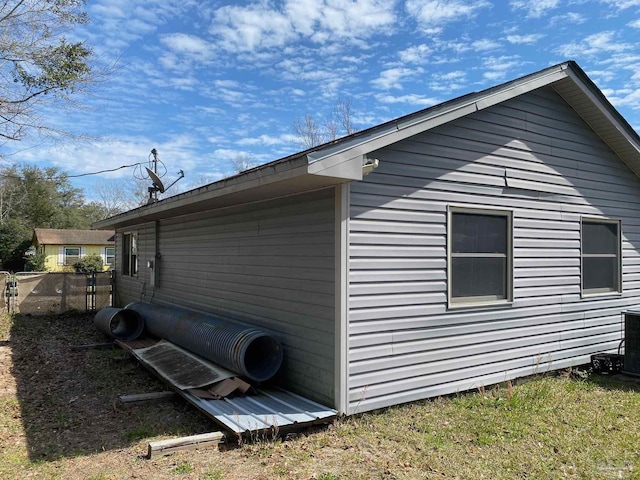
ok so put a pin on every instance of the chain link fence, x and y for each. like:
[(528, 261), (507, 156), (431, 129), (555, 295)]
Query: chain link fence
[(43, 293)]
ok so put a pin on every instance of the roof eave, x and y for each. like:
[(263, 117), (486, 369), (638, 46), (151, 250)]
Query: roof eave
[(430, 118), (278, 179), (568, 79)]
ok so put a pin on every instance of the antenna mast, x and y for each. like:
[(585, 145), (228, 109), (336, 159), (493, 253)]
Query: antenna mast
[(153, 192), (157, 184)]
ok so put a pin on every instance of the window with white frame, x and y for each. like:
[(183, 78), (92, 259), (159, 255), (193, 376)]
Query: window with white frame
[(601, 256), (480, 256), (109, 255), (71, 255), (130, 254)]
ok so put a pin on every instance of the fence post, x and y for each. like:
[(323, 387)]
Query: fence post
[(90, 299)]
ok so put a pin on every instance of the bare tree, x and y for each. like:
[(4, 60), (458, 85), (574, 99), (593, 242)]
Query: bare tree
[(310, 133), (114, 198), (343, 115), (38, 66), (12, 193), (242, 162)]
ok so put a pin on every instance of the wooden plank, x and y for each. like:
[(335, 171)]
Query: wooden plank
[(94, 346), (166, 447), (145, 398)]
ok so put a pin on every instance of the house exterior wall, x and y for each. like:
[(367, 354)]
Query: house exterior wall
[(137, 287), (533, 156), (268, 264), (52, 253)]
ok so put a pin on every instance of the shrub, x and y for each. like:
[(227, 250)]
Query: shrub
[(35, 263), (89, 264)]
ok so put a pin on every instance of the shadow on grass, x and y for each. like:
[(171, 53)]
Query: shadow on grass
[(618, 381), (67, 398)]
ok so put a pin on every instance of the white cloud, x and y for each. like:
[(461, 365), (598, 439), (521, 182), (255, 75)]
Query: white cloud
[(453, 75), (485, 44), (496, 68), (252, 27), (536, 8), (268, 140), (393, 77), (415, 54), (432, 13), (524, 39), (449, 81), (634, 24), (187, 44), (228, 154), (122, 22), (263, 26), (622, 4), (598, 43), (411, 99)]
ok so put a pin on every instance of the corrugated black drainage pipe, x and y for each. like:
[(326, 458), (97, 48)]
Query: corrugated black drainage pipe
[(245, 350), (261, 358), (119, 323)]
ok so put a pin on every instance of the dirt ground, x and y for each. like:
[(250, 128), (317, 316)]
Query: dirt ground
[(59, 417)]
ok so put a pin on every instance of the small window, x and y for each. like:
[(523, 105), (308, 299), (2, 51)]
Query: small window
[(129, 254), (480, 258), (601, 256), (71, 255), (110, 255)]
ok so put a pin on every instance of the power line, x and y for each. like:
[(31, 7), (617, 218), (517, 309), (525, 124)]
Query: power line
[(101, 171), (59, 177)]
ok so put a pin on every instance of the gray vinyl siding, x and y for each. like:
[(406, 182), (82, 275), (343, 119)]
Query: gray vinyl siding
[(135, 288), (532, 155), (269, 264)]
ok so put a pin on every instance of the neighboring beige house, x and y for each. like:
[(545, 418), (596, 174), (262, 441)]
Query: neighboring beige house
[(63, 248)]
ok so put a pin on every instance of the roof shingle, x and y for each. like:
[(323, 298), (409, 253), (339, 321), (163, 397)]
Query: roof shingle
[(58, 236)]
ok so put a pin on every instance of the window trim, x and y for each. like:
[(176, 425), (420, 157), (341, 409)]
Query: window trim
[(486, 301), (131, 269), (590, 293), (65, 256), (106, 256)]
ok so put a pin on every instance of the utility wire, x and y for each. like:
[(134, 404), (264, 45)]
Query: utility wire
[(101, 171), (59, 177)]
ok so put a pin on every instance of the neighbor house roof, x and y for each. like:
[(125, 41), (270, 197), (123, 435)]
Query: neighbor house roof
[(342, 160), (57, 236)]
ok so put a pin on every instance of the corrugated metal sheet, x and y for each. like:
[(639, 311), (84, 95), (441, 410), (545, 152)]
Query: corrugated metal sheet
[(533, 155), (269, 409), (180, 367)]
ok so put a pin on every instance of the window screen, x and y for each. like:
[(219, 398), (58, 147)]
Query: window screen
[(600, 256), (480, 262)]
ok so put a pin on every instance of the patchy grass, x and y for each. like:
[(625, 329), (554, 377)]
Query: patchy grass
[(58, 420)]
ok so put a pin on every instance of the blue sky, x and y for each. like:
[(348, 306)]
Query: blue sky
[(205, 82)]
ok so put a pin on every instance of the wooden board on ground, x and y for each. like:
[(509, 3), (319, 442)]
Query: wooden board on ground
[(145, 398), (166, 447), (94, 346)]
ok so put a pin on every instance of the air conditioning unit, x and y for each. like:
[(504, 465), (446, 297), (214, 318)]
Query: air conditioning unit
[(632, 343)]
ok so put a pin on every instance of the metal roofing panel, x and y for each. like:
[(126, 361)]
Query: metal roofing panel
[(270, 408), (180, 367)]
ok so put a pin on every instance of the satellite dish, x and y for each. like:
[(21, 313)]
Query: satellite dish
[(157, 183)]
